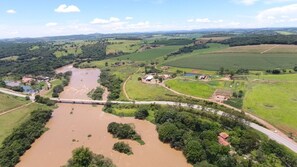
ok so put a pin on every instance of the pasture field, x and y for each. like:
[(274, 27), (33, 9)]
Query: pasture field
[(203, 89), (275, 103), (151, 54), (12, 120), (8, 102), (275, 78), (141, 91), (191, 87), (126, 46), (65, 49), (250, 61)]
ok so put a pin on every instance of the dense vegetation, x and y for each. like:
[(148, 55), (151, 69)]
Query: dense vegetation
[(189, 49), (123, 131), (96, 94), (261, 39), (196, 134), (22, 137), (122, 148), (141, 113), (112, 83), (40, 61), (169, 42), (95, 51), (65, 82), (44, 100), (83, 157)]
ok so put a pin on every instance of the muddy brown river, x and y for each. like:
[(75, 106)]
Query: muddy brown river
[(72, 123)]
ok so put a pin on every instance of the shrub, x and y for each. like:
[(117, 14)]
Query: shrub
[(142, 113), (122, 148)]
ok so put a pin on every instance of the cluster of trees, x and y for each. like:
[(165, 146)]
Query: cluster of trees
[(141, 113), (44, 100), (122, 148), (123, 131), (83, 157), (96, 51), (151, 69), (65, 82), (188, 49), (22, 137), (174, 41), (112, 83), (196, 134), (240, 71), (261, 39), (97, 93)]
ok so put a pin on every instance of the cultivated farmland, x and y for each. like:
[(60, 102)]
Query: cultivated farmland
[(257, 57), (125, 46), (150, 54)]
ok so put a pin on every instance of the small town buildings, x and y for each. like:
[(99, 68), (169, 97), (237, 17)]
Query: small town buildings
[(222, 138)]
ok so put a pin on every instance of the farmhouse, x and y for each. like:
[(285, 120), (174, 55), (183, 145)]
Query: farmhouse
[(203, 77), (149, 78), (222, 138), (27, 79), (222, 95)]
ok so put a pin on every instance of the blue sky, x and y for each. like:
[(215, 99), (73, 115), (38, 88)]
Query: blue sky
[(33, 18)]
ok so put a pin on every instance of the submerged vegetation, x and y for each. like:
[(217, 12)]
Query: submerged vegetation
[(122, 148)]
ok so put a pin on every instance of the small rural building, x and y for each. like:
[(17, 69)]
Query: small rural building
[(27, 79), (149, 78), (12, 83), (222, 95), (222, 138), (203, 77)]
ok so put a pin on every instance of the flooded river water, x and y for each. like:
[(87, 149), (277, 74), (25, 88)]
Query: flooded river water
[(71, 125)]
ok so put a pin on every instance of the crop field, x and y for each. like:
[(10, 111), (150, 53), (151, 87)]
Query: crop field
[(140, 91), (150, 54), (8, 102), (126, 46), (264, 49), (258, 57), (11, 120), (236, 60), (274, 102)]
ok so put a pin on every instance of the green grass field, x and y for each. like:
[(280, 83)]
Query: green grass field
[(190, 87), (8, 102), (235, 61), (126, 46), (140, 91), (11, 120), (151, 54), (275, 102), (54, 83)]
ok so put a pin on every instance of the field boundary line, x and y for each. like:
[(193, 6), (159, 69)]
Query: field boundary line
[(11, 110), (125, 83), (269, 49)]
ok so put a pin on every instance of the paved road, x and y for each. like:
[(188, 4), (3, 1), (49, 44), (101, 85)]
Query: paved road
[(10, 92), (281, 139)]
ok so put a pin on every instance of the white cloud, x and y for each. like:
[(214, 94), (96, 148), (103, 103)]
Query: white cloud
[(204, 20), (51, 24), (252, 2), (276, 15), (67, 9), (11, 11), (105, 21), (128, 18)]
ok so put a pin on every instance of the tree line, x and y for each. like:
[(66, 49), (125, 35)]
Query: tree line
[(112, 83), (15, 145)]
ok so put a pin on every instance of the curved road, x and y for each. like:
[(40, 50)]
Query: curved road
[(281, 139)]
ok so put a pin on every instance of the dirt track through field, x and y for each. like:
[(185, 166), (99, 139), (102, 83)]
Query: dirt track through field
[(269, 49)]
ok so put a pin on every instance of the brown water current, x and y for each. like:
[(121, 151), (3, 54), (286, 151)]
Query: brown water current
[(72, 123)]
